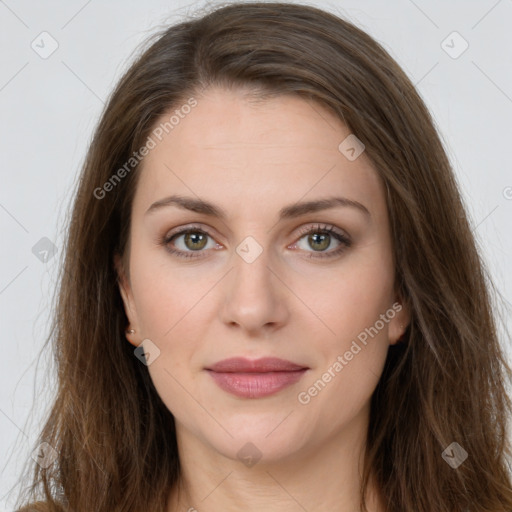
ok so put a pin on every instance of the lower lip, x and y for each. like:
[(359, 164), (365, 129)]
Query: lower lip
[(255, 385)]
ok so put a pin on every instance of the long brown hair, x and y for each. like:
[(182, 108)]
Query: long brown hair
[(446, 383)]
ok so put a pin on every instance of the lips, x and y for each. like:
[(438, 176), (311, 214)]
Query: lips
[(263, 365), (258, 378)]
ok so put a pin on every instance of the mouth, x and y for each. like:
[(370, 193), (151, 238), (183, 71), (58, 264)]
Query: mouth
[(255, 378)]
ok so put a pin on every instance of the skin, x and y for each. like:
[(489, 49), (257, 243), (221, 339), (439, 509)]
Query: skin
[(252, 160)]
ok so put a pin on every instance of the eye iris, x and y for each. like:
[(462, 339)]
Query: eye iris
[(195, 238), (318, 237)]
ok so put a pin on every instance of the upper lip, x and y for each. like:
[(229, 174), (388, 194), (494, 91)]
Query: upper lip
[(265, 364)]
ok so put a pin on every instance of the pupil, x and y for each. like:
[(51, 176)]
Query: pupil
[(323, 238), (195, 238)]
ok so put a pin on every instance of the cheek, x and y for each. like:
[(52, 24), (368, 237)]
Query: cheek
[(169, 310), (164, 296), (350, 305), (350, 365), (352, 298), (335, 397)]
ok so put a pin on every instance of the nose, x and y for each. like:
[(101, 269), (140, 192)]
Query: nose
[(255, 297)]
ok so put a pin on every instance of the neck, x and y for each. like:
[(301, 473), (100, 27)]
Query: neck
[(324, 477)]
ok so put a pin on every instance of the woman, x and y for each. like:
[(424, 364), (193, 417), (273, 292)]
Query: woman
[(272, 298)]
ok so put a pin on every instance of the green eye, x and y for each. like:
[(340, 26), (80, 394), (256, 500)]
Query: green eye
[(319, 238)]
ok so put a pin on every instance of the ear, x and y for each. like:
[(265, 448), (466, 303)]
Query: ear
[(129, 305), (401, 320)]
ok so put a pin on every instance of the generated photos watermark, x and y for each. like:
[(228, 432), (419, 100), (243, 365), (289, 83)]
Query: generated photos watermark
[(304, 397), (150, 144)]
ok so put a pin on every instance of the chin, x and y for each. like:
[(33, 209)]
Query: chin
[(264, 438)]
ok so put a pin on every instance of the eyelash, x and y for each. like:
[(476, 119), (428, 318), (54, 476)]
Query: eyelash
[(331, 230)]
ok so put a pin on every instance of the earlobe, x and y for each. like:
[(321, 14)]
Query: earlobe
[(126, 295), (400, 323)]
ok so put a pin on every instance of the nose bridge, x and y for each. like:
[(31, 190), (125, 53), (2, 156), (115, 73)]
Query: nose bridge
[(252, 266), (254, 298)]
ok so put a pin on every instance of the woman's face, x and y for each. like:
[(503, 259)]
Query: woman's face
[(263, 280)]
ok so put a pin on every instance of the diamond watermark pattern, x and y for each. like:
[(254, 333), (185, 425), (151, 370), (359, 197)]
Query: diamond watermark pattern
[(454, 45), (454, 455), (45, 455), (147, 352), (44, 250), (44, 45), (249, 454), (351, 147), (249, 249)]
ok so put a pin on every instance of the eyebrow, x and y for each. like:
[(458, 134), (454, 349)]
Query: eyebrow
[(288, 212)]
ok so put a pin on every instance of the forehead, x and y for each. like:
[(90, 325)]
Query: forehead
[(279, 149)]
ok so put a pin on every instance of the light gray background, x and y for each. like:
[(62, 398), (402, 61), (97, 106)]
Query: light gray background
[(49, 108)]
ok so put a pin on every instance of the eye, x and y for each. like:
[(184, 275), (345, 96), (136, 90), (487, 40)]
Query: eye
[(191, 240), (194, 240), (320, 238)]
